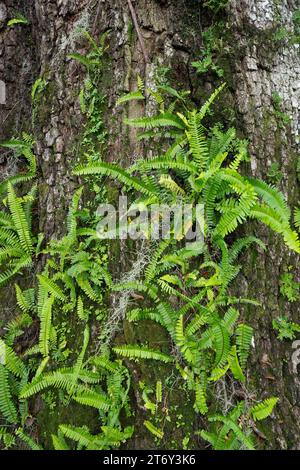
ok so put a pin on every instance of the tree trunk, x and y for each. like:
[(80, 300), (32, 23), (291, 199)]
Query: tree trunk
[(166, 33)]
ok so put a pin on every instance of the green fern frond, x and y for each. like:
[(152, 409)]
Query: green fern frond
[(132, 96), (297, 217), (19, 219), (264, 409), (207, 105), (162, 120), (12, 362), (59, 442), (51, 287), (7, 407), (136, 352), (81, 312), (153, 429), (28, 440), (221, 342), (114, 171), (45, 329), (272, 197), (77, 434), (244, 334), (235, 365), (93, 399)]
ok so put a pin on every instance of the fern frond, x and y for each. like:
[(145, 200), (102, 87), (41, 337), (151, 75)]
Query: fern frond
[(114, 171), (94, 399), (244, 335), (45, 329), (153, 429), (19, 219), (12, 362), (235, 365), (162, 120), (51, 287), (7, 406), (264, 409), (207, 105), (59, 442), (28, 440), (132, 96), (77, 434), (138, 352)]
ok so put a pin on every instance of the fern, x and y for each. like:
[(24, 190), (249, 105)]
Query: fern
[(59, 442), (94, 399), (28, 440), (244, 335), (109, 169), (19, 220), (137, 352), (7, 406), (162, 120), (46, 321), (153, 429), (11, 361), (264, 409), (134, 95), (51, 287)]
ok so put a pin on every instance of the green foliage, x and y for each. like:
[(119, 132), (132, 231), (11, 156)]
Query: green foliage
[(215, 5), (136, 352), (263, 409), (274, 174), (282, 118), (153, 429), (7, 407), (19, 19), (288, 287), (244, 335), (227, 433), (285, 328), (184, 289)]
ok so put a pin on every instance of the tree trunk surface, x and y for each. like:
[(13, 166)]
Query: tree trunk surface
[(167, 34)]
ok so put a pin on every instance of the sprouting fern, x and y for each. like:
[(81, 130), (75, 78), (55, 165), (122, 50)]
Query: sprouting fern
[(153, 429), (264, 409), (244, 334), (136, 352), (115, 172), (94, 399), (51, 287), (27, 440), (46, 322), (7, 407), (59, 442), (11, 361), (134, 95)]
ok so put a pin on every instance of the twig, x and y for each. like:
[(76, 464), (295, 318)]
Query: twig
[(138, 31), (96, 18)]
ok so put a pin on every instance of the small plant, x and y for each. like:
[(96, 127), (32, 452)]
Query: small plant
[(19, 19), (285, 328), (288, 287), (215, 5), (282, 118), (274, 174), (234, 431)]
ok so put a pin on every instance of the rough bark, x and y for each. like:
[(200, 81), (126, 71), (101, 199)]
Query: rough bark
[(262, 66)]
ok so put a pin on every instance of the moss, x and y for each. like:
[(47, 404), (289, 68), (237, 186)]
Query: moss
[(72, 413)]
